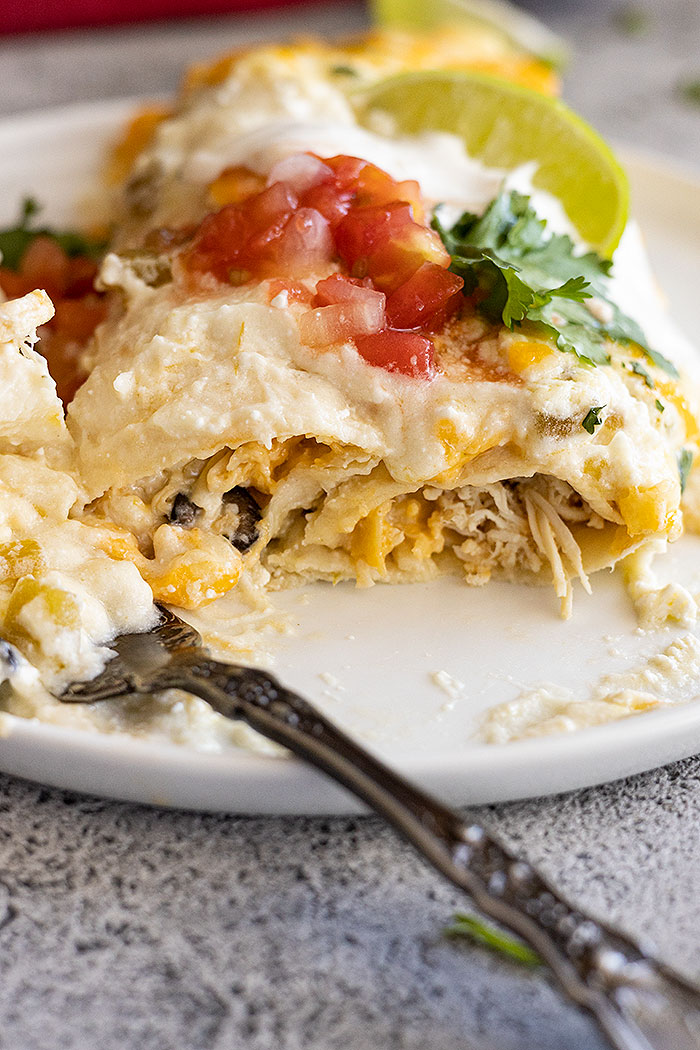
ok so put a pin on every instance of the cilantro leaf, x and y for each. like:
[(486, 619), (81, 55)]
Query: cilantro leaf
[(685, 462), (490, 936), (576, 289), (15, 240), (592, 419), (523, 273), (640, 370)]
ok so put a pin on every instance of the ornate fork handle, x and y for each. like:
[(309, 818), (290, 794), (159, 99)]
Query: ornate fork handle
[(640, 1004)]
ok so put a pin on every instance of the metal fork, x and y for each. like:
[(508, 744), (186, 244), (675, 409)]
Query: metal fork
[(638, 1002)]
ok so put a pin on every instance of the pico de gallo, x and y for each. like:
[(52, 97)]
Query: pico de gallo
[(393, 288), (65, 266)]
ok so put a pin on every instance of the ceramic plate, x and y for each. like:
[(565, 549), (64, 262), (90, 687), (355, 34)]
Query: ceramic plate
[(373, 659)]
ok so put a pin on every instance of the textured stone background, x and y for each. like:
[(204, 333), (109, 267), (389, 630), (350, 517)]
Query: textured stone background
[(127, 928)]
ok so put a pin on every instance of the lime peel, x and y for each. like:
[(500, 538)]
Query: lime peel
[(505, 125)]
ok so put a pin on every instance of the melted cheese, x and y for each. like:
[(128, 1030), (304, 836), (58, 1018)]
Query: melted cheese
[(176, 380)]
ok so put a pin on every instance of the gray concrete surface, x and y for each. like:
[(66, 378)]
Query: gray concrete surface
[(126, 928)]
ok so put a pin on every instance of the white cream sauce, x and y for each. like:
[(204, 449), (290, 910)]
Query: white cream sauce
[(670, 676)]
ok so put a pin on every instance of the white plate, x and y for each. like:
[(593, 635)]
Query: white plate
[(377, 649)]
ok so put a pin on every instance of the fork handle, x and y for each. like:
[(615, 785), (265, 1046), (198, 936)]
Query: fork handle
[(639, 1004)]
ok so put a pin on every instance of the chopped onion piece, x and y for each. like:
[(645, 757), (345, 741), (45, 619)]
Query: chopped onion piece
[(339, 289), (301, 171), (268, 207), (305, 243), (341, 321)]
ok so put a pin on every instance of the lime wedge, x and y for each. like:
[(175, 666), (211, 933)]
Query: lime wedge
[(505, 125), (514, 26)]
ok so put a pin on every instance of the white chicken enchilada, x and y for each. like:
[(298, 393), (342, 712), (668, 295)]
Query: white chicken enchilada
[(329, 348)]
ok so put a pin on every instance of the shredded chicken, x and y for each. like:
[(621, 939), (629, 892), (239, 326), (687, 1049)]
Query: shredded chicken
[(336, 514), (515, 527)]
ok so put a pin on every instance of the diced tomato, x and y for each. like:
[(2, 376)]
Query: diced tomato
[(334, 195), (346, 169), (330, 199), (268, 234), (262, 248), (363, 229), (384, 243), (375, 186), (410, 353), (430, 292), (216, 245), (64, 358), (296, 293), (81, 276), (397, 256), (274, 205), (79, 309), (409, 190), (76, 319), (63, 341), (48, 265), (13, 284)]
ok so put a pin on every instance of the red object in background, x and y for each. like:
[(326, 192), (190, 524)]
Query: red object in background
[(21, 16)]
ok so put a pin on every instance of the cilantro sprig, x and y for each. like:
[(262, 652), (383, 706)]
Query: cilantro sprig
[(474, 928), (521, 272), (15, 240)]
